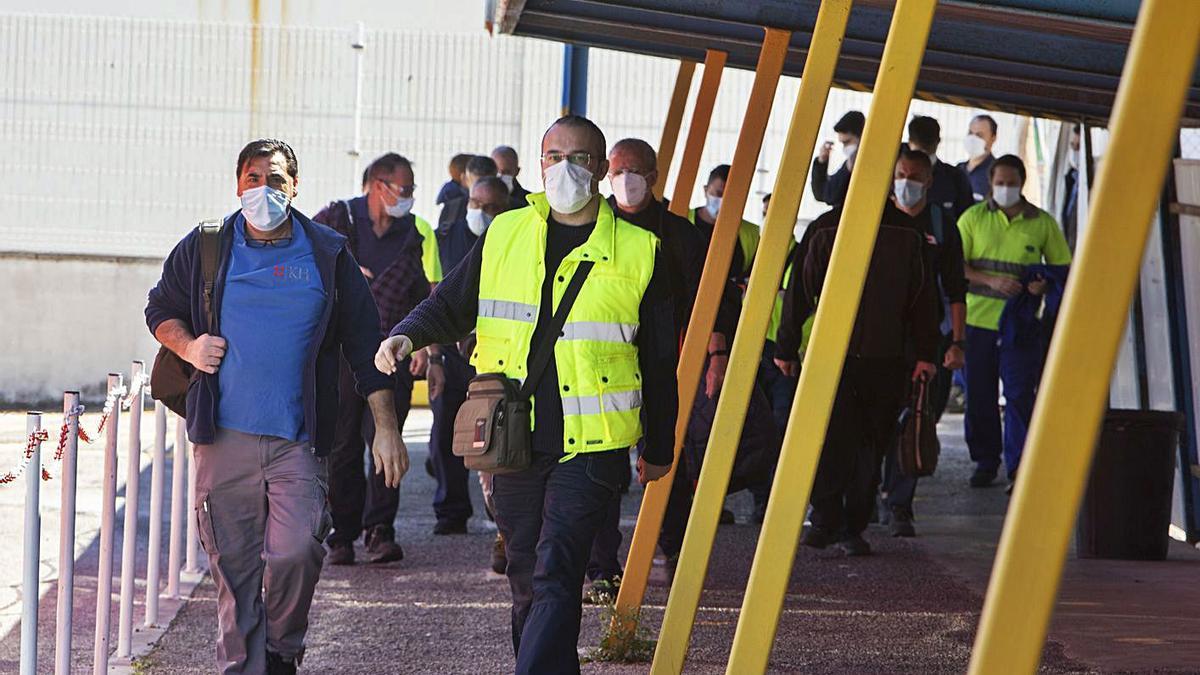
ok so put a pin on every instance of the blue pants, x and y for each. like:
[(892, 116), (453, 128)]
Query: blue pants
[(451, 500), (990, 362), (605, 563), (549, 515)]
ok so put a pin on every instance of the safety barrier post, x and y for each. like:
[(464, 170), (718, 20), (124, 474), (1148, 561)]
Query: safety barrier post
[(670, 134), (693, 147), (178, 507), (193, 538), (154, 548), (108, 517), (66, 537), (32, 547), (133, 467), (710, 492), (1074, 391)]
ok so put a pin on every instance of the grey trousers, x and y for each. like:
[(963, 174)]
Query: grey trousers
[(262, 513)]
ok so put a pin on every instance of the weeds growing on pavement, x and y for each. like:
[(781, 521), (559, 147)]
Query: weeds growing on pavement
[(622, 637)]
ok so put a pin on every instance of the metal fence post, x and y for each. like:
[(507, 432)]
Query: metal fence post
[(66, 537), (178, 507), (32, 547), (129, 535), (108, 517), (193, 538), (154, 548)]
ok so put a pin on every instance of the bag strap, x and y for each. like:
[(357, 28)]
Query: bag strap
[(210, 253), (545, 350), (938, 223)]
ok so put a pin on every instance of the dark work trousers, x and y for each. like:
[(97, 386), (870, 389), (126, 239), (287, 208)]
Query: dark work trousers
[(549, 515), (898, 488), (359, 502), (861, 426), (779, 388), (605, 563), (679, 507), (989, 362), (451, 501)]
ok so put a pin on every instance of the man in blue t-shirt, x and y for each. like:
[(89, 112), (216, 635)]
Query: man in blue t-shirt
[(264, 338)]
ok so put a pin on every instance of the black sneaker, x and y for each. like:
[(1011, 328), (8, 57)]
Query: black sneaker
[(815, 537), (450, 527), (854, 546), (382, 546), (602, 592), (277, 665), (983, 478), (340, 553), (727, 517), (499, 557), (901, 523)]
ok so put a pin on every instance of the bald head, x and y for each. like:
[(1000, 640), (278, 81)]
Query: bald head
[(490, 195), (632, 171), (506, 160), (634, 149)]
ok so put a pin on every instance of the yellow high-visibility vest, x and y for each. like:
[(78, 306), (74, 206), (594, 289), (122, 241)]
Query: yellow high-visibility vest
[(595, 355), (748, 236)]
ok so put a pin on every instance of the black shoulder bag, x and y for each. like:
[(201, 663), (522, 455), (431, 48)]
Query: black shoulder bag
[(170, 375), (492, 432)]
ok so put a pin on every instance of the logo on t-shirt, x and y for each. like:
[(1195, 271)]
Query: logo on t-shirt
[(290, 274)]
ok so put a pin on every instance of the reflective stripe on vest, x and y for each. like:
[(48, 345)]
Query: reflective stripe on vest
[(504, 309)]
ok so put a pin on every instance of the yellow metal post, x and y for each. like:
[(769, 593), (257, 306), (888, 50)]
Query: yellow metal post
[(706, 508), (706, 98), (756, 629), (691, 360), (670, 134), (1074, 390)]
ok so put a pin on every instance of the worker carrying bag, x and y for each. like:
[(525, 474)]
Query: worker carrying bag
[(918, 447), (492, 430), (170, 376)]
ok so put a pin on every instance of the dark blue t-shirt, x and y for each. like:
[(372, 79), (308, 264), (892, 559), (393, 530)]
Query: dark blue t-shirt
[(271, 307)]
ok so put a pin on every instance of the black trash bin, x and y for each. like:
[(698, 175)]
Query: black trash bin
[(1126, 510)]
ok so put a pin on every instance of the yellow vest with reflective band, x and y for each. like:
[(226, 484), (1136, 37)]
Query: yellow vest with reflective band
[(748, 236), (595, 355), (431, 262), (777, 310)]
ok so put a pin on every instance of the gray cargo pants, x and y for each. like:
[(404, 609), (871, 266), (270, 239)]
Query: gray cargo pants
[(262, 512)]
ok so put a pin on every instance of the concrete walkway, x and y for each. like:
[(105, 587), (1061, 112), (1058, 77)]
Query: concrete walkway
[(911, 608)]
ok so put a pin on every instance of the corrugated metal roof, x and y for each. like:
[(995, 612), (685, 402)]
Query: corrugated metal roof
[(1054, 58)]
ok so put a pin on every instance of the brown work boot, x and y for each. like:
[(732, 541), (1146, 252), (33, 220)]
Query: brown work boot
[(382, 546), (340, 553), (499, 558)]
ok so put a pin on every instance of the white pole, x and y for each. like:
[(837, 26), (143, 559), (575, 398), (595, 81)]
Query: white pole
[(33, 538), (66, 537), (108, 517), (129, 536), (359, 48), (178, 507), (156, 507), (193, 539)]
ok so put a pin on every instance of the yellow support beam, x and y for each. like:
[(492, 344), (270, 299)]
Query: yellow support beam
[(691, 361), (756, 628), (706, 508), (1074, 391), (670, 134)]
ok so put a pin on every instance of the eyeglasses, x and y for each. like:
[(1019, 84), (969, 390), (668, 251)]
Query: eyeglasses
[(277, 242), (576, 158), (404, 191)]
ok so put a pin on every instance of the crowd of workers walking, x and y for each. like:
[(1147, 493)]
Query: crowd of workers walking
[(309, 337)]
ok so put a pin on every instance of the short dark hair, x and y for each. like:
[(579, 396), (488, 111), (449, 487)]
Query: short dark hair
[(492, 183), (851, 123), (924, 130), (482, 165), (915, 156), (766, 197), (1011, 161), (991, 121), (579, 121), (721, 171), (385, 164), (268, 147), (459, 161)]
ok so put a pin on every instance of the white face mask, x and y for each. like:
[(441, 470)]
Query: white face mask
[(264, 207), (908, 192), (629, 188), (568, 187), (401, 208), (712, 205), (850, 150), (508, 181), (1006, 195), (974, 146), (477, 221)]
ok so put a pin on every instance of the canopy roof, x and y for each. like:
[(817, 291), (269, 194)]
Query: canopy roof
[(1050, 58)]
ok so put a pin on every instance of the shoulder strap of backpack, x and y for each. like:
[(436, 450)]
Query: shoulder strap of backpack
[(210, 253), (544, 350), (937, 222)]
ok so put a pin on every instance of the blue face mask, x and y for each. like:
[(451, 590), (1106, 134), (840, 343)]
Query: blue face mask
[(264, 207)]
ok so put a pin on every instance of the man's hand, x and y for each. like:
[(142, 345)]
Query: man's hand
[(366, 272), (924, 371), (205, 353), (823, 154), (1037, 287), (650, 472), (955, 358), (392, 351), (714, 378), (789, 368), (1006, 286), (435, 375), (390, 455), (420, 362)]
